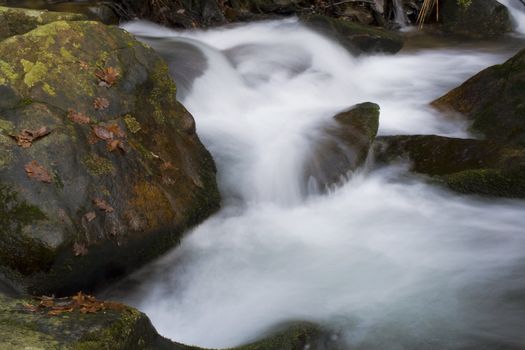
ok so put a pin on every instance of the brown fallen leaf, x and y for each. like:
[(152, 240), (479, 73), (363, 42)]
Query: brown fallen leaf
[(116, 130), (103, 205), (26, 137), (46, 301), (79, 249), (78, 117), (101, 103), (102, 133), (37, 172), (108, 76), (113, 145), (80, 302)]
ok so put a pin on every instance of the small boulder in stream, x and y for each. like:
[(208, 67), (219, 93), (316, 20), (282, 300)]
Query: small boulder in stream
[(494, 100), (343, 146), (479, 19), (101, 169), (355, 37), (467, 166)]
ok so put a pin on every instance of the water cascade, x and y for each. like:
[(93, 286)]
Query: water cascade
[(388, 260), (517, 12)]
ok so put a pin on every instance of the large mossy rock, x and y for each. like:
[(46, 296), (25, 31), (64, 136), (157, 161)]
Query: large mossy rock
[(342, 147), (14, 21), (494, 100), (463, 165), (357, 38), (478, 19), (122, 173), (26, 325), (22, 327)]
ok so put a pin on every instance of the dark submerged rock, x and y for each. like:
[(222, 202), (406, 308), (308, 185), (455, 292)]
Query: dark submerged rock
[(158, 180), (343, 146), (480, 19), (494, 100), (438, 155), (357, 38)]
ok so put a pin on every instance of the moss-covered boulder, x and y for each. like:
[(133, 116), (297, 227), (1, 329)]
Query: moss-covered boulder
[(357, 38), (438, 155), (342, 147), (474, 18), (84, 323), (101, 169), (15, 21), (494, 100), (24, 326), (297, 336), (103, 11), (464, 165)]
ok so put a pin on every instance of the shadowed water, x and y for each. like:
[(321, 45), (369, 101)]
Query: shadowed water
[(387, 260)]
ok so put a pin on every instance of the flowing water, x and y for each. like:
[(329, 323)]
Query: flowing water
[(517, 12), (387, 260)]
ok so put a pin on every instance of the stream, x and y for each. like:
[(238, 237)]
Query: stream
[(387, 261)]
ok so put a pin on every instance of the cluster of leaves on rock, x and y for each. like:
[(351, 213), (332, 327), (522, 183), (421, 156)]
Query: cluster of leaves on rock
[(80, 302), (111, 133)]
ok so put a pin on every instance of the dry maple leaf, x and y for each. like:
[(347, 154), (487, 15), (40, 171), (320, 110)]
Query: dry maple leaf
[(101, 103), (116, 130), (26, 137), (108, 76), (79, 249), (80, 302), (78, 117), (90, 216), (103, 205), (37, 172), (102, 133)]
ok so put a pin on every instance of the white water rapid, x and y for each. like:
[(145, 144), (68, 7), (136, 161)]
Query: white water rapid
[(517, 12), (389, 261)]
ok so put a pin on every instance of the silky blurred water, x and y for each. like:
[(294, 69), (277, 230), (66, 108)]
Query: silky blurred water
[(388, 260)]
